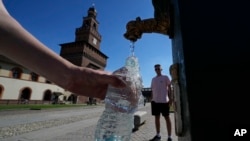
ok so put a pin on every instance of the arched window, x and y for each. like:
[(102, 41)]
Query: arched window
[(1, 91), (47, 95), (25, 94), (16, 72), (34, 76), (86, 24), (94, 25), (72, 98)]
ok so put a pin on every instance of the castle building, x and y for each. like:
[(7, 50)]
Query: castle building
[(20, 85), (85, 50)]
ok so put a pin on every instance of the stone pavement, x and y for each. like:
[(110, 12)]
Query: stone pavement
[(79, 129), (144, 133), (147, 130)]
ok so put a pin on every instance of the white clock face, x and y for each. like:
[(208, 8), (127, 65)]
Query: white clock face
[(95, 41)]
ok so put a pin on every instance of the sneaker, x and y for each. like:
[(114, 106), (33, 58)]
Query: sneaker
[(169, 139), (156, 138)]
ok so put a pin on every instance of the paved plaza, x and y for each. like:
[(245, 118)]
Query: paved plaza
[(68, 124)]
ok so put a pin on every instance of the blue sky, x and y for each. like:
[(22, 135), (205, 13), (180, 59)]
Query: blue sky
[(53, 22)]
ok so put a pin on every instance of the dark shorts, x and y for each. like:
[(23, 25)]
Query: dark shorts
[(159, 108)]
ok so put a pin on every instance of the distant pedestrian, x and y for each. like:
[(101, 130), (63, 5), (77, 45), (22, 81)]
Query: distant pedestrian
[(161, 101)]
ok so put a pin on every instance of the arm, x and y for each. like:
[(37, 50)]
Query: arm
[(170, 94), (19, 45), (151, 96)]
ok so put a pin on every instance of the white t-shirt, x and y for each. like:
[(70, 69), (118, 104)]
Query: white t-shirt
[(159, 87)]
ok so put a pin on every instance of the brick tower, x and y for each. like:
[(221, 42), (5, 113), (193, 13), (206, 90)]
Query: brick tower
[(85, 50)]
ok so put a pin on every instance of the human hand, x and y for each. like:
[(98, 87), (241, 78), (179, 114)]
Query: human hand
[(92, 83)]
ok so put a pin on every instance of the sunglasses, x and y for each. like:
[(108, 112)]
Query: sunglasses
[(157, 69)]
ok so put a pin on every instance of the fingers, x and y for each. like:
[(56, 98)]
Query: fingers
[(112, 80), (103, 77), (116, 82)]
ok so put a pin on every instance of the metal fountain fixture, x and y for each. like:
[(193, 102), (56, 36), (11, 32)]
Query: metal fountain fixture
[(161, 23)]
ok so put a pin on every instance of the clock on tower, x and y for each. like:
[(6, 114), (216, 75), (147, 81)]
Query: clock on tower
[(88, 32), (94, 41)]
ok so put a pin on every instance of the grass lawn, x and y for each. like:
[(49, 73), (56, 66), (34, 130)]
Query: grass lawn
[(38, 106)]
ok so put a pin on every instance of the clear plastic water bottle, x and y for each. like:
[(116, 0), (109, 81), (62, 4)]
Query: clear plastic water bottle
[(117, 120)]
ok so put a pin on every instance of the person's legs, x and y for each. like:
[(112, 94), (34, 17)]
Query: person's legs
[(165, 113), (156, 113), (157, 125), (169, 125)]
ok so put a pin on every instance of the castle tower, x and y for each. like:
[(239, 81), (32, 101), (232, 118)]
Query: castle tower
[(85, 50), (89, 30)]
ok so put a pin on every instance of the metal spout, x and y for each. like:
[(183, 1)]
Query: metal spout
[(159, 24), (136, 28)]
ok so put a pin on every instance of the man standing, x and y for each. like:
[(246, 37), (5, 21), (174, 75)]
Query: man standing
[(161, 101)]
